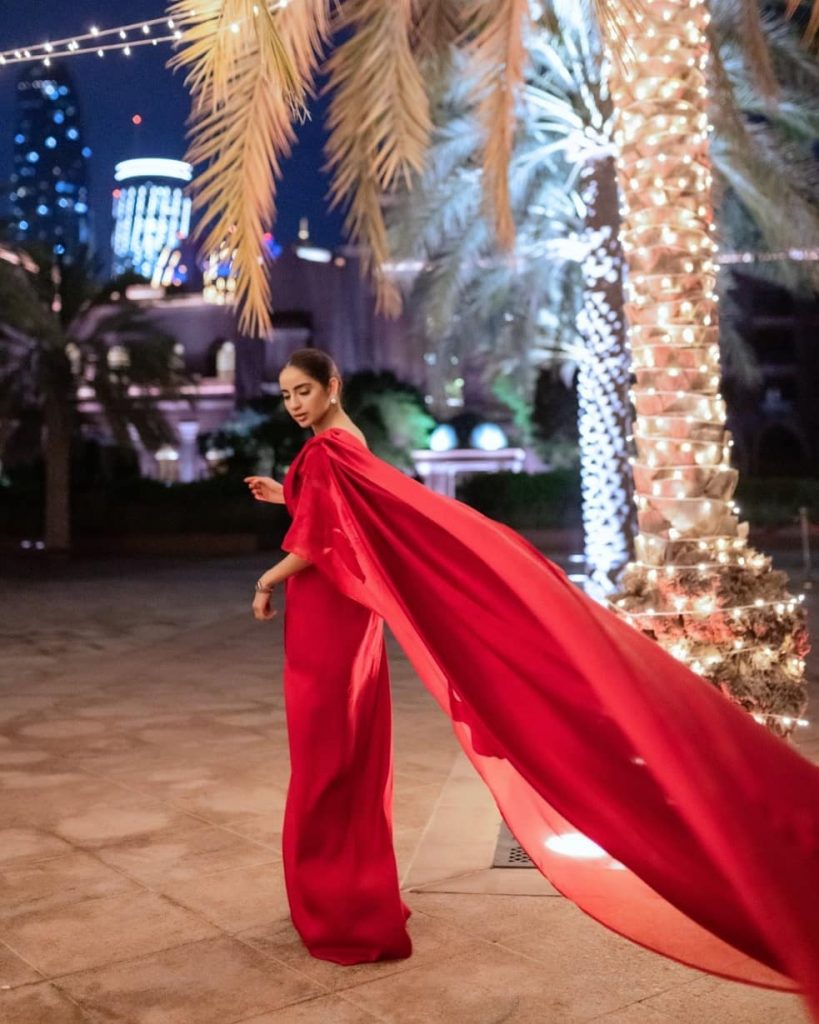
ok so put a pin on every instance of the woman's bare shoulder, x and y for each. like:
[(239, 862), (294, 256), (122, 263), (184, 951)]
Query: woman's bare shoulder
[(352, 432)]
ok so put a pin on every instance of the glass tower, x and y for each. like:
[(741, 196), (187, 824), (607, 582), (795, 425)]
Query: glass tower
[(49, 187), (152, 214)]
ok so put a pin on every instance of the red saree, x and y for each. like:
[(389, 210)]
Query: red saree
[(337, 849), (641, 793)]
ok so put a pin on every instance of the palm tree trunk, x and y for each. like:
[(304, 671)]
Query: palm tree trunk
[(603, 387), (695, 586), (57, 474)]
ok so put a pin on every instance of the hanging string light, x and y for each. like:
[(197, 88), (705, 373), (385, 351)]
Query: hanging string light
[(123, 38)]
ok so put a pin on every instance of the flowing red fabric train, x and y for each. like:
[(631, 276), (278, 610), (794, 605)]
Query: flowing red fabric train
[(644, 795), (339, 861)]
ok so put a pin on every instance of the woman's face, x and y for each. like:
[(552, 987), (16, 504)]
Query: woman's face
[(304, 398)]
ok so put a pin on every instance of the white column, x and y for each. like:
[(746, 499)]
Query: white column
[(189, 460)]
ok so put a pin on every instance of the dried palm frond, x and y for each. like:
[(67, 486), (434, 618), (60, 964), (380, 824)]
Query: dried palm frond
[(304, 28), (812, 28), (496, 30), (249, 70), (439, 24), (379, 123), (756, 50)]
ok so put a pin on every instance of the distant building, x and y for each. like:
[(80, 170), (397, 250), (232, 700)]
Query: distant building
[(152, 216), (49, 193), (319, 298)]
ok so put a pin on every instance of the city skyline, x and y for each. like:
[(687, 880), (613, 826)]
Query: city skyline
[(115, 89)]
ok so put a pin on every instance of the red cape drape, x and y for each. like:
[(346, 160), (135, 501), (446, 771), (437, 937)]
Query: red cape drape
[(644, 795)]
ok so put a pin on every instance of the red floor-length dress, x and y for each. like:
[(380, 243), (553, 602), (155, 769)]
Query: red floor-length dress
[(339, 863), (646, 797)]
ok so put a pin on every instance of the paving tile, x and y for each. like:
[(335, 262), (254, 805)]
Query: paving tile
[(174, 856), (222, 800), (708, 998), (431, 940), (46, 806), (482, 985), (39, 1004), (29, 844), (37, 777), (323, 1010), (57, 882), (492, 882), (487, 917), (122, 816), (100, 931), (14, 971), (261, 828), (14, 756), (235, 899), (62, 728), (219, 981), (597, 970)]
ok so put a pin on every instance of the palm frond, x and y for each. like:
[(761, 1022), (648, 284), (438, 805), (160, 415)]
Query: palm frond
[(762, 148), (304, 28), (756, 50), (497, 42), (379, 123), (439, 24), (760, 180), (812, 27), (246, 83)]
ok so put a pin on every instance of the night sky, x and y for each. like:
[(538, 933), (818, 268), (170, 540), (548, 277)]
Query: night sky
[(114, 88)]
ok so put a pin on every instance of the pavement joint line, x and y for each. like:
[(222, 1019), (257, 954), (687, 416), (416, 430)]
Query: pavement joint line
[(56, 978), (421, 886), (27, 962), (327, 990), (684, 983), (428, 824)]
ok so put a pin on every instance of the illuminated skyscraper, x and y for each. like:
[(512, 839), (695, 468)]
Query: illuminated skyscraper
[(49, 194), (151, 213)]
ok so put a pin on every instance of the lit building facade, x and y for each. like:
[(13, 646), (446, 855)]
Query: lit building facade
[(151, 215), (49, 187)]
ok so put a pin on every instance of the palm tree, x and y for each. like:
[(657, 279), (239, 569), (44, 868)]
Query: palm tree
[(251, 68), (558, 296), (56, 346), (564, 141)]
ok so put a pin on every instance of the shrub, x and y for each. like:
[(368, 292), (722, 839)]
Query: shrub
[(526, 500)]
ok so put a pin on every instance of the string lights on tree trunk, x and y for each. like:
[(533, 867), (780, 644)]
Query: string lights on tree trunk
[(603, 385), (695, 584)]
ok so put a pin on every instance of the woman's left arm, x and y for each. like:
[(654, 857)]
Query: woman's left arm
[(288, 566)]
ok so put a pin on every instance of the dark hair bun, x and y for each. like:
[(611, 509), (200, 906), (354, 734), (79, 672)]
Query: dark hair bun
[(316, 364)]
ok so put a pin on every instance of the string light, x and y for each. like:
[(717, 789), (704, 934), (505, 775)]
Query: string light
[(78, 51), (684, 480), (716, 610), (88, 42), (73, 45)]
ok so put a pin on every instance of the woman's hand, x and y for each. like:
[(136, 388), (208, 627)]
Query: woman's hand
[(265, 488), (262, 608)]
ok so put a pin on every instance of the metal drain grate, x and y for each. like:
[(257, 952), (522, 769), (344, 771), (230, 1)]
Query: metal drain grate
[(509, 853)]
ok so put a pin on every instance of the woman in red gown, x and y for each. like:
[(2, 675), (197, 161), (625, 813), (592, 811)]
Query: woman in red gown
[(339, 861), (644, 795)]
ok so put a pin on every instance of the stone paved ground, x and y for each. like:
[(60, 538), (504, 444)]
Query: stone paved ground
[(143, 768)]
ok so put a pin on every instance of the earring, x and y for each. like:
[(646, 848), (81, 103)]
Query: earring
[(333, 400)]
